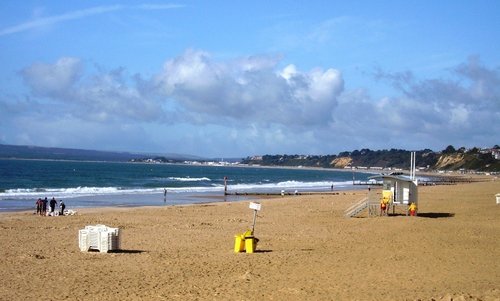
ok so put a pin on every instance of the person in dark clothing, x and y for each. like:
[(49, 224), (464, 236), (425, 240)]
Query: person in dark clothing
[(53, 203), (44, 206), (63, 206), (39, 206)]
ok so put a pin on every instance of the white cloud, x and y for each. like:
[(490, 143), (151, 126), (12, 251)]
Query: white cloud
[(50, 20), (53, 79), (429, 113), (104, 97), (249, 90), (251, 106), (459, 116), (79, 14)]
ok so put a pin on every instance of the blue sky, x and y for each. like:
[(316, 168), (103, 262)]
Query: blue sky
[(240, 78)]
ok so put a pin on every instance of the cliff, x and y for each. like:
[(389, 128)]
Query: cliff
[(449, 159)]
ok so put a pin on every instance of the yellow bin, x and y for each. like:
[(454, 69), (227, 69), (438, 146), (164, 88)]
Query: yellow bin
[(250, 244), (239, 243)]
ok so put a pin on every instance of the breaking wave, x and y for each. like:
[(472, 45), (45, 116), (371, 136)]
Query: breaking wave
[(72, 192)]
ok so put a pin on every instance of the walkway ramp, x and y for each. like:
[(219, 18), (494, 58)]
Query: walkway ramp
[(357, 208)]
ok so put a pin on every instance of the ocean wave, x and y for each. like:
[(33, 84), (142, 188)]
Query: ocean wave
[(39, 192), (289, 185), (73, 192), (189, 179)]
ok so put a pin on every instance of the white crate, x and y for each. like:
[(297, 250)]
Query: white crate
[(83, 240), (100, 238), (109, 240)]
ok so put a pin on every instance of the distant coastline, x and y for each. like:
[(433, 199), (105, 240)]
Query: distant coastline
[(465, 161)]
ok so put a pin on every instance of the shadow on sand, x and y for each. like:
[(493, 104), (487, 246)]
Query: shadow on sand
[(435, 214), (263, 251), (428, 214), (127, 251)]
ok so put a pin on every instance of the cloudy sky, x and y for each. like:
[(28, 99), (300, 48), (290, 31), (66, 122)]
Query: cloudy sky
[(239, 78)]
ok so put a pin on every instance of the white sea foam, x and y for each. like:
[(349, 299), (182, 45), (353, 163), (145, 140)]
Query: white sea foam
[(288, 185), (74, 192), (63, 192), (95, 191), (189, 179)]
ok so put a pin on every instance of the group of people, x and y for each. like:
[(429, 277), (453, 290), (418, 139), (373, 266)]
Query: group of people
[(41, 207), (385, 203)]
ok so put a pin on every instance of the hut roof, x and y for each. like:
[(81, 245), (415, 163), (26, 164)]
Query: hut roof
[(394, 177)]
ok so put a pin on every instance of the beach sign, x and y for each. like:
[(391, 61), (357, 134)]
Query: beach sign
[(255, 206)]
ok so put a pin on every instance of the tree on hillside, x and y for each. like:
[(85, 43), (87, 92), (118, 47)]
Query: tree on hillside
[(473, 150), (449, 150)]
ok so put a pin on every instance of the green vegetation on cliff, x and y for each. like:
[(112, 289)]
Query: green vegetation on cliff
[(473, 159)]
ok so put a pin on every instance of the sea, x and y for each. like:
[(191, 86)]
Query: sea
[(110, 184)]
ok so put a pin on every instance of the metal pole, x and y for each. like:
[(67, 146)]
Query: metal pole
[(254, 217), (411, 165), (413, 158), (414, 165)]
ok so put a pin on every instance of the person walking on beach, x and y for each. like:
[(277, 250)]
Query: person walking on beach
[(39, 206), (63, 206), (44, 206), (164, 195), (53, 204)]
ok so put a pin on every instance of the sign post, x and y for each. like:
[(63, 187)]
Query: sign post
[(256, 207)]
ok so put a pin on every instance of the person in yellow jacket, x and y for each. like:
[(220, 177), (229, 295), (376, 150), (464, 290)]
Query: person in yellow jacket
[(412, 209), (383, 206)]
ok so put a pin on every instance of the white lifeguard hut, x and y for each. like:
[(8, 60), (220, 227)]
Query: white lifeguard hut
[(397, 191), (400, 190)]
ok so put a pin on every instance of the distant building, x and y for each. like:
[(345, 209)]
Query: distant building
[(400, 190), (496, 153)]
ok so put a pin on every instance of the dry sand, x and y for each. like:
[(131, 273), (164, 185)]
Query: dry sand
[(307, 251)]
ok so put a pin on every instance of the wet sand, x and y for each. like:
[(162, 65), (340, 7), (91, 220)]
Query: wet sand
[(307, 251)]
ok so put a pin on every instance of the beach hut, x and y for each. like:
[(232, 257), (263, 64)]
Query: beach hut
[(400, 190)]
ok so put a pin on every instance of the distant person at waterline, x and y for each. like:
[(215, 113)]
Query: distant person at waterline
[(44, 206), (62, 206), (39, 204), (53, 204)]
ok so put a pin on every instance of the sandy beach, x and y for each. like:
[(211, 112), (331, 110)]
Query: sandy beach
[(307, 250)]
